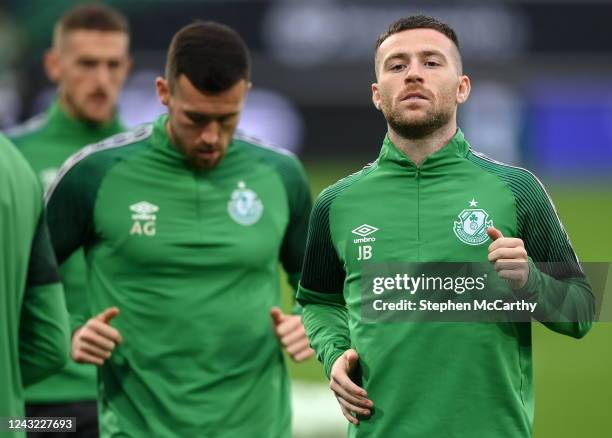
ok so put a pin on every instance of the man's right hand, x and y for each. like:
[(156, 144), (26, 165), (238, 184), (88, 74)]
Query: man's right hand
[(94, 342), (353, 399)]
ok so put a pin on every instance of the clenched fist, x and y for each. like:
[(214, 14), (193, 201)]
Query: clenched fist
[(509, 258), (95, 341), (290, 332)]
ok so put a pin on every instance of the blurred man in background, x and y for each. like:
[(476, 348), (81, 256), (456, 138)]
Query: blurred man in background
[(89, 62), (184, 224), (430, 198), (34, 337)]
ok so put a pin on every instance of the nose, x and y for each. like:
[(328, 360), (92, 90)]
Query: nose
[(103, 74), (210, 133), (415, 72)]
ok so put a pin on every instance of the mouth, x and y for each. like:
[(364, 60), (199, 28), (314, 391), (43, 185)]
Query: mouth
[(414, 96), (205, 158), (98, 97), (206, 153)]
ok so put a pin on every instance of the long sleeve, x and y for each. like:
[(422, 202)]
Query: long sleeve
[(566, 303), (44, 340), (321, 288), (70, 203), (300, 204)]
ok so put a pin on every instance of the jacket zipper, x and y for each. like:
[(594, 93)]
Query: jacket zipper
[(417, 176), (199, 206)]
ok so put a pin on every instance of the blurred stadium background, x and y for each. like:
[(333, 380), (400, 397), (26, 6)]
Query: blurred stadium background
[(541, 98)]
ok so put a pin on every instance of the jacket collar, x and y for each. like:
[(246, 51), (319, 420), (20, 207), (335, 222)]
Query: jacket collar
[(60, 120), (456, 148), (161, 142)]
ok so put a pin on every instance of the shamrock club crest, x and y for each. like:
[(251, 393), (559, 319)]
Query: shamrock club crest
[(471, 228), (244, 206)]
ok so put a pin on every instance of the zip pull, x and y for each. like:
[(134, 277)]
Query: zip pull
[(417, 173)]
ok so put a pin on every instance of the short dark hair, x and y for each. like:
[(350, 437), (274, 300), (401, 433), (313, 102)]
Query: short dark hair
[(418, 22), (421, 22), (211, 55), (92, 16)]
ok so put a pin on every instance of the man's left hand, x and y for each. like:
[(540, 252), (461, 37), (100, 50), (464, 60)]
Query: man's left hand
[(290, 332), (509, 257)]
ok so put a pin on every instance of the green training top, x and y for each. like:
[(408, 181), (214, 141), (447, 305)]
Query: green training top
[(46, 141), (444, 379), (33, 318), (191, 260)]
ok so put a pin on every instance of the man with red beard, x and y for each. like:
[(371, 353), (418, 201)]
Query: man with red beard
[(429, 199)]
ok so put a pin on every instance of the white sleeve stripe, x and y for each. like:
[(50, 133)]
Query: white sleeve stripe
[(257, 142), (118, 140), (28, 126)]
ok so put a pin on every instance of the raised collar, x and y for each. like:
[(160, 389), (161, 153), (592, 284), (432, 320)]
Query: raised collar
[(457, 147), (161, 142), (161, 139), (60, 121)]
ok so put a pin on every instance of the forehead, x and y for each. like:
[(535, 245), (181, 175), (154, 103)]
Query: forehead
[(414, 41), (95, 43), (192, 99)]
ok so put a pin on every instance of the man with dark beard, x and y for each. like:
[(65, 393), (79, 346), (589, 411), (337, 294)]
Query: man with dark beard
[(184, 224), (430, 198)]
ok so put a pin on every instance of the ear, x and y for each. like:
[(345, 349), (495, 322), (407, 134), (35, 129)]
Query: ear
[(376, 100), (125, 68), (163, 90), (463, 90), (130, 65), (51, 63)]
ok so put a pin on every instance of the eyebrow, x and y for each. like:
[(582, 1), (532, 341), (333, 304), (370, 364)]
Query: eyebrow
[(197, 115), (99, 59), (423, 53)]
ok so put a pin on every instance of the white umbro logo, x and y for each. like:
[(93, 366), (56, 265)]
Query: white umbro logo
[(364, 230), (144, 211), (364, 251), (144, 218)]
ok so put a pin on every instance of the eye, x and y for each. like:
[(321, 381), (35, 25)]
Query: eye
[(88, 63), (197, 119), (396, 67), (431, 63), (227, 120)]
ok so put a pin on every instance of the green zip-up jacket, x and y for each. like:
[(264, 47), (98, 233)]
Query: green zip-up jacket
[(435, 379), (190, 258), (46, 141), (34, 340)]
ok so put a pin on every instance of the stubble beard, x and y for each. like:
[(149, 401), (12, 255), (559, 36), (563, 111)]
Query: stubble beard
[(416, 129), (199, 164), (81, 113)]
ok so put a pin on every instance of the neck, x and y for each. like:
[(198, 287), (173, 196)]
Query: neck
[(67, 107), (170, 133), (418, 149)]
